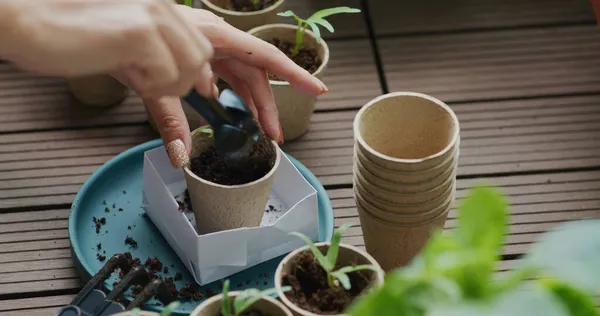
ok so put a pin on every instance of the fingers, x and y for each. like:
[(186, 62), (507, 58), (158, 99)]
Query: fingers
[(172, 57), (231, 42), (253, 80), (237, 84), (173, 128)]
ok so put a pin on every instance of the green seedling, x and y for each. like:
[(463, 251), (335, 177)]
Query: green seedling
[(318, 18), (243, 300), (188, 3), (329, 261), (167, 311), (455, 272), (256, 2), (208, 131)]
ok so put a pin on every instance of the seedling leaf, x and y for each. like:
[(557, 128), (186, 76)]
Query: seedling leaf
[(325, 24), (245, 299), (315, 30), (226, 300), (168, 310), (331, 11), (334, 245), (288, 13), (342, 274), (343, 278), (577, 302), (135, 311), (571, 252), (323, 261), (188, 3)]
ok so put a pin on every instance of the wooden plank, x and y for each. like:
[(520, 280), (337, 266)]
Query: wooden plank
[(37, 302), (33, 312), (488, 65), (42, 275), (40, 286), (414, 16)]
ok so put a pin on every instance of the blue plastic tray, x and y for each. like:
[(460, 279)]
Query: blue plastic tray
[(114, 192)]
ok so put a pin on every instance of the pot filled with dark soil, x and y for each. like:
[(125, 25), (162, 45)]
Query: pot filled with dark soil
[(295, 107), (225, 195), (245, 14), (98, 90), (311, 294), (267, 306)]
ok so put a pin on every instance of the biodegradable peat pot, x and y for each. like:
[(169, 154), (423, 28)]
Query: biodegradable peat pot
[(405, 207), (244, 20), (295, 107), (220, 207), (98, 90), (348, 255), (395, 245), (404, 188), (268, 306), (407, 177), (140, 313), (406, 217), (406, 131)]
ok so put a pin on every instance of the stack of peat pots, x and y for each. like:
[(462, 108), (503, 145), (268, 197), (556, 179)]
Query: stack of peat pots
[(406, 148)]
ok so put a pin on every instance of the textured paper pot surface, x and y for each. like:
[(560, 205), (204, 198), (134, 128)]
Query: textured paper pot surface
[(406, 131), (295, 107), (99, 90), (215, 256), (223, 207), (392, 245), (348, 255), (268, 306), (244, 20)]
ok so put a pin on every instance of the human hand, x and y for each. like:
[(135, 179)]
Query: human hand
[(146, 44), (243, 61)]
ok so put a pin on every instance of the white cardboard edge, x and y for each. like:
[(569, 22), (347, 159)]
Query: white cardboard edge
[(245, 247)]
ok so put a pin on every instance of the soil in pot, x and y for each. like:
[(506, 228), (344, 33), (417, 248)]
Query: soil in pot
[(307, 58), (311, 292), (210, 166), (248, 5)]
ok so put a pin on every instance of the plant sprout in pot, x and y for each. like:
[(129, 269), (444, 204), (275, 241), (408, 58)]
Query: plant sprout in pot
[(308, 50), (228, 195), (455, 275), (325, 278), (245, 14), (250, 302)]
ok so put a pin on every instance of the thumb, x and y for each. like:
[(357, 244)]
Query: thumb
[(173, 128)]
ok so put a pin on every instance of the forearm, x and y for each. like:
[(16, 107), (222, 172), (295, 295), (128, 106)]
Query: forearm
[(9, 20)]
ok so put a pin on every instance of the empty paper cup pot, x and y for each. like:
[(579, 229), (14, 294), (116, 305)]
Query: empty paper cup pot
[(404, 176), (295, 107), (244, 20), (348, 256), (405, 216), (398, 187), (393, 245), (98, 90), (406, 131), (266, 306), (400, 206), (222, 207)]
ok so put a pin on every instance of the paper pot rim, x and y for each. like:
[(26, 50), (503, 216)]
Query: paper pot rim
[(192, 175), (378, 282), (358, 136), (241, 14), (307, 32), (215, 298)]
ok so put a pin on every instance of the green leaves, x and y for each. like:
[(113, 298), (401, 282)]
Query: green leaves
[(571, 252), (576, 301), (323, 261), (243, 300), (318, 18), (169, 309), (188, 3), (342, 274), (226, 300)]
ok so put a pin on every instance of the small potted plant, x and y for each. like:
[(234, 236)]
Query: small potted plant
[(97, 90), (245, 14), (309, 51), (326, 278), (251, 302), (167, 311), (226, 195)]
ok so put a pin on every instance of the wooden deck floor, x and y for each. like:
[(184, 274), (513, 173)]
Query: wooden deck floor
[(522, 75)]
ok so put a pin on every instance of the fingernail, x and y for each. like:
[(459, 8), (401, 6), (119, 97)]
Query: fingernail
[(280, 142), (177, 153), (324, 88)]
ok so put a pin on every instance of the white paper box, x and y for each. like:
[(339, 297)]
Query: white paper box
[(218, 255)]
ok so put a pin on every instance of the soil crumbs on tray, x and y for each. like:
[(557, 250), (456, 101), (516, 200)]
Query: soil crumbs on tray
[(248, 5), (311, 292), (307, 58), (209, 165)]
